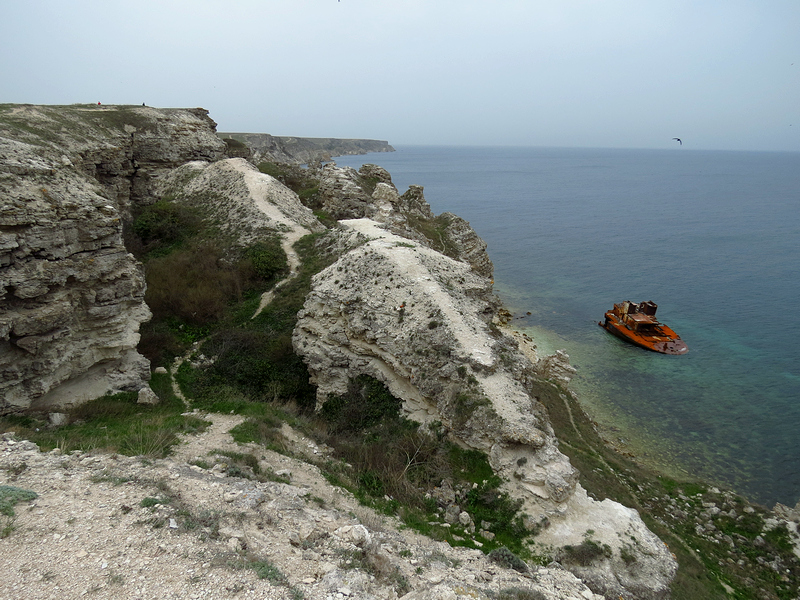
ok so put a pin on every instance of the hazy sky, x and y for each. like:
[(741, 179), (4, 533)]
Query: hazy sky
[(720, 74)]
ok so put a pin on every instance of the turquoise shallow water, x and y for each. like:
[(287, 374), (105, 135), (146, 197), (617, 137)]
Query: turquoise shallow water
[(712, 237)]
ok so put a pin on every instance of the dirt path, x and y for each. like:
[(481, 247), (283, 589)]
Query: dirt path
[(287, 243)]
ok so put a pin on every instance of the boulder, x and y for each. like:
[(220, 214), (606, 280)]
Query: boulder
[(147, 396)]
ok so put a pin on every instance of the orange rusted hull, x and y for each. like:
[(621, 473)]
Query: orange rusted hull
[(637, 324)]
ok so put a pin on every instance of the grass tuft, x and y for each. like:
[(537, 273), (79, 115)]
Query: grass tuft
[(9, 497)]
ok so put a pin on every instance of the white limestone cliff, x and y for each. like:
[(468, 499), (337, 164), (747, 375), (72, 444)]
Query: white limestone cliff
[(420, 322)]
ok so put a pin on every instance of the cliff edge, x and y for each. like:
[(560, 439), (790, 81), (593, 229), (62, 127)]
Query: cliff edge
[(426, 324)]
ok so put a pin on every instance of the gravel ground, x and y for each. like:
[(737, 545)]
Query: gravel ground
[(112, 526)]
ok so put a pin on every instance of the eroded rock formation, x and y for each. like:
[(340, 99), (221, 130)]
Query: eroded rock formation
[(396, 309), (246, 203)]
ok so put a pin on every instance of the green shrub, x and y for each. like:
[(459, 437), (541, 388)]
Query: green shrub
[(159, 343), (366, 403), (149, 502), (505, 558), (584, 554), (264, 569), (194, 284), (165, 225), (10, 496), (267, 258), (272, 169), (263, 430), (521, 594), (260, 363), (142, 440), (466, 403)]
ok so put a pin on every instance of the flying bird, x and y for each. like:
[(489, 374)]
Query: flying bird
[(678, 140)]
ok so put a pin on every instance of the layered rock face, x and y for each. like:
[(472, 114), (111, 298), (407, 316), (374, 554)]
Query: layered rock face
[(71, 297), (396, 309)]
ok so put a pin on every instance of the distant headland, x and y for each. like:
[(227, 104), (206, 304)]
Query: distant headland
[(297, 150)]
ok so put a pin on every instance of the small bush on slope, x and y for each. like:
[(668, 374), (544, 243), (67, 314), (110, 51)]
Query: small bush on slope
[(9, 496)]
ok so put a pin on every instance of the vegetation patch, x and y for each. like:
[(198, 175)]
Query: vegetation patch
[(720, 541), (465, 405), (113, 423), (584, 554), (254, 358), (9, 497), (196, 276), (372, 560), (264, 430), (265, 569), (435, 230), (150, 502), (505, 558), (162, 227), (297, 179), (393, 465), (246, 465), (516, 593)]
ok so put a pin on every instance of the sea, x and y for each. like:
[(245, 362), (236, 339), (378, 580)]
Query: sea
[(713, 237)]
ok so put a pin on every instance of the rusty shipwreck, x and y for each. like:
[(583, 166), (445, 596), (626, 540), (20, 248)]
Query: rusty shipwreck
[(637, 324)]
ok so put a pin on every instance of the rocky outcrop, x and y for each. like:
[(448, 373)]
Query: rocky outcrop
[(296, 150), (71, 297), (421, 322), (345, 193), (120, 149), (246, 203)]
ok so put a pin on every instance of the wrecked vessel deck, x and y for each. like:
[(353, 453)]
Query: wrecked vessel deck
[(637, 324)]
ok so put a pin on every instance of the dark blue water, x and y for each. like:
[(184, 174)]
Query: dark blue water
[(712, 237)]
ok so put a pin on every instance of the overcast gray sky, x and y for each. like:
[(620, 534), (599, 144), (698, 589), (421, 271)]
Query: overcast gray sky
[(720, 74)]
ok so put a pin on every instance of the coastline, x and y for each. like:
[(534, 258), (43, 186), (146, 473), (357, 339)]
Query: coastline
[(618, 432), (726, 408), (638, 425)]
